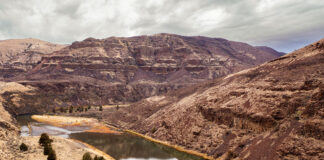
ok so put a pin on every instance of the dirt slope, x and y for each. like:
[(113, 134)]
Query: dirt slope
[(10, 139), (273, 111)]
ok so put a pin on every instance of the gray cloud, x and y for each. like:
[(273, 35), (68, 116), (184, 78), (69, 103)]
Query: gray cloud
[(283, 24)]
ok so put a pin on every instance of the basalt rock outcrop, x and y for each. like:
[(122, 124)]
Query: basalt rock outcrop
[(273, 111), (20, 55), (123, 70)]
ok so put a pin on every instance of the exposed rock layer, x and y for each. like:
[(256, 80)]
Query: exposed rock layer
[(20, 55), (273, 111), (130, 69)]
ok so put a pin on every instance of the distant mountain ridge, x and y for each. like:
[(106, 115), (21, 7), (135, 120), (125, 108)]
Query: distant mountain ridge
[(19, 55), (122, 70)]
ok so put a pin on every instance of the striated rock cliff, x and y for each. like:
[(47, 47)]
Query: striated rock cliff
[(115, 70), (273, 111), (20, 55)]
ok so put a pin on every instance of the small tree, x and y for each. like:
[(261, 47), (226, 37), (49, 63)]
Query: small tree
[(47, 149), (71, 109), (101, 158), (54, 111), (23, 147), (51, 155), (98, 158), (62, 110), (117, 107), (89, 107), (86, 156), (100, 108), (44, 139)]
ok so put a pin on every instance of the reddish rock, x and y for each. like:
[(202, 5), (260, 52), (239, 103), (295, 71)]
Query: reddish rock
[(123, 70), (273, 111)]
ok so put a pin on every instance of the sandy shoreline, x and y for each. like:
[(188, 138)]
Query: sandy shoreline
[(65, 121), (96, 126), (67, 148)]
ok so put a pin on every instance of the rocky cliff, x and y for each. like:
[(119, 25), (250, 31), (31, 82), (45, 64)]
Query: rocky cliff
[(20, 55), (273, 111), (116, 69)]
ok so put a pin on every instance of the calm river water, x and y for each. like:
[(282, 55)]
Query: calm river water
[(120, 146)]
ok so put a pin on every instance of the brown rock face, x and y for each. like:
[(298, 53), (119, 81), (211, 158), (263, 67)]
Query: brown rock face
[(129, 69), (273, 111), (20, 55)]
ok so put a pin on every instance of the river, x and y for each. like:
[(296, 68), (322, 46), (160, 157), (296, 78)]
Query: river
[(122, 146)]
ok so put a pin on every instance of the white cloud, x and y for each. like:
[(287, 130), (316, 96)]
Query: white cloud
[(283, 24)]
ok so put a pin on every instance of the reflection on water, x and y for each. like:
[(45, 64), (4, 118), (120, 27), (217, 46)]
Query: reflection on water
[(29, 127), (123, 146), (120, 146)]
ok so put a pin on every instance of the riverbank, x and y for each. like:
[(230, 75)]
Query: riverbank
[(65, 149), (65, 121), (10, 140)]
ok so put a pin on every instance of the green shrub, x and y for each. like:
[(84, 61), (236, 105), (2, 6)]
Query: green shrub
[(86, 156), (298, 115), (101, 158), (71, 109), (51, 155), (100, 108), (44, 139), (153, 130), (230, 155), (23, 147)]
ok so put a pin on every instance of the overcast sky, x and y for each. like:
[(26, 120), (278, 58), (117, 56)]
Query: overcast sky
[(285, 25)]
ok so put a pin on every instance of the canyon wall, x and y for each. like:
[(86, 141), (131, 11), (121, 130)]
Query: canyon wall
[(125, 70), (273, 111)]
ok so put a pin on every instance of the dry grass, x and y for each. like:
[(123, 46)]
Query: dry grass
[(64, 121)]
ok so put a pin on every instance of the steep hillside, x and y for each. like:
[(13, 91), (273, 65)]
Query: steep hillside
[(273, 111), (123, 70), (20, 55), (10, 139)]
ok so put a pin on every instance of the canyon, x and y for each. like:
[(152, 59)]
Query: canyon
[(120, 70), (272, 111), (222, 98)]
